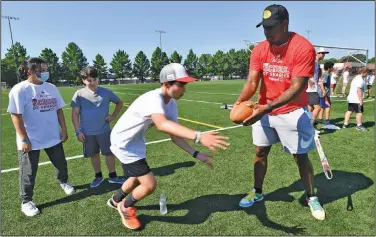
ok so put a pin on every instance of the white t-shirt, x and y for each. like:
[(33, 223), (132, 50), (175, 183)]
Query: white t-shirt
[(38, 105), (346, 77), (357, 82), (333, 78), (128, 134), (370, 79)]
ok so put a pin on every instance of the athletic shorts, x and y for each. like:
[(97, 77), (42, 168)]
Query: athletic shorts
[(94, 143), (313, 98), (354, 107), (293, 130), (325, 102), (136, 169), (333, 85)]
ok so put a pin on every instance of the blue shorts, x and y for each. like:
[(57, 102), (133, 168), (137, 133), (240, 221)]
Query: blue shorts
[(325, 102)]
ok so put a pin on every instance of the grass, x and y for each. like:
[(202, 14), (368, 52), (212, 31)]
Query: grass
[(202, 201)]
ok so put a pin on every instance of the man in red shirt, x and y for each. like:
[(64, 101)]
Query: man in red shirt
[(283, 63)]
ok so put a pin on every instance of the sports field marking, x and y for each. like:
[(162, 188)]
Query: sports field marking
[(148, 143), (198, 101), (192, 121), (188, 92)]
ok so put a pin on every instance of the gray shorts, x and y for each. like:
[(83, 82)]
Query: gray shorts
[(94, 143), (294, 130), (313, 98)]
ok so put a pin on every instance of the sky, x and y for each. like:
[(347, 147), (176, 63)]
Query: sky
[(104, 27)]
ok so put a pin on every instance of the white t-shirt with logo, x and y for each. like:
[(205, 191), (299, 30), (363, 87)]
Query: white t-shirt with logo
[(356, 83), (38, 105), (128, 134)]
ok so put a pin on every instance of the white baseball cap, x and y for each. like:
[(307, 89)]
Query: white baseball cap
[(322, 50), (175, 72)]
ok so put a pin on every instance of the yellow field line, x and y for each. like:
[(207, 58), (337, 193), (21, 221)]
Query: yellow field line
[(193, 121)]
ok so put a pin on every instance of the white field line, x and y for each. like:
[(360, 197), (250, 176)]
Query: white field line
[(148, 143), (198, 101), (201, 101), (190, 92)]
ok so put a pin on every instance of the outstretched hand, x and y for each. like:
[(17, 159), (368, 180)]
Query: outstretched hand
[(206, 159)]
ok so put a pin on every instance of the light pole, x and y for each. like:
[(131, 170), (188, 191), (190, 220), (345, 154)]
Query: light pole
[(160, 37), (11, 36), (308, 31)]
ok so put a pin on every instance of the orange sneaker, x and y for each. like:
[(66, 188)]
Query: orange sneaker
[(128, 216)]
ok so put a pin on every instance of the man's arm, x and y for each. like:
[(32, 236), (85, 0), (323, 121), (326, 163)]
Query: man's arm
[(297, 86), (250, 87)]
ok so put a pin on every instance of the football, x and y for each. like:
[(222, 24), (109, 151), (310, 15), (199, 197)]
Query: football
[(240, 112)]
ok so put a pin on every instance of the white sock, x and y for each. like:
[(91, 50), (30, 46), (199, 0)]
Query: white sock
[(359, 124)]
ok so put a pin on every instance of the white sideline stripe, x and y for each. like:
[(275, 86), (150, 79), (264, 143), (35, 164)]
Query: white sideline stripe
[(206, 102), (199, 101), (193, 92), (346, 100), (148, 143)]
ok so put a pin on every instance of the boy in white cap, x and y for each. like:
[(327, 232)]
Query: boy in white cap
[(157, 107)]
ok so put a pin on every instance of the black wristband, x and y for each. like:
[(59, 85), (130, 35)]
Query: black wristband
[(195, 154)]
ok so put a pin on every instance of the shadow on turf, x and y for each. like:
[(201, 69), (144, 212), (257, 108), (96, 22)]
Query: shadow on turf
[(106, 187), (343, 185)]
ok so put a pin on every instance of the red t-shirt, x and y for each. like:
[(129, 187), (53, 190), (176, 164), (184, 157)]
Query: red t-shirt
[(297, 59)]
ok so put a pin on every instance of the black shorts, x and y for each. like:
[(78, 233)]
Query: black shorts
[(313, 98), (369, 86), (136, 169), (94, 143), (355, 108)]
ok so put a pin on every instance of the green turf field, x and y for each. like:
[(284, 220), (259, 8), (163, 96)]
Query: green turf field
[(201, 201)]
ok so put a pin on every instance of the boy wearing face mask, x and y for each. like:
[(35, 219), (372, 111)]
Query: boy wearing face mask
[(36, 111), (91, 121)]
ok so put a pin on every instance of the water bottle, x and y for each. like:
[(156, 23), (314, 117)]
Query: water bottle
[(163, 204)]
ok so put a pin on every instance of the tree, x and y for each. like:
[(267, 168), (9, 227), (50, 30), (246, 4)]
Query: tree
[(9, 66), (203, 66), (121, 64), (74, 61), (219, 61), (176, 57), (243, 60), (53, 64), (372, 60), (333, 60), (190, 63), (141, 66), (233, 63), (159, 59), (361, 57), (100, 65)]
